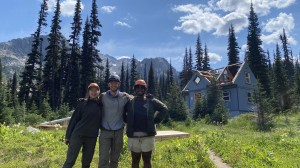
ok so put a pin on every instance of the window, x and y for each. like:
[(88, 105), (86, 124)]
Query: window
[(197, 96), (226, 96), (249, 97), (197, 80), (247, 77)]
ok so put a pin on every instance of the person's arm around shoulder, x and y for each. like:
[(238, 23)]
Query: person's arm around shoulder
[(76, 116), (161, 110)]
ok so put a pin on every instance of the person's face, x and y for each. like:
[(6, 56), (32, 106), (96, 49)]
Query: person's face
[(114, 85), (139, 90), (94, 92)]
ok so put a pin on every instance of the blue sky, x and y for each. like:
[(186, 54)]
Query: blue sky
[(163, 28)]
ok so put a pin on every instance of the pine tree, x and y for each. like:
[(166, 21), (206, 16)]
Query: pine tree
[(199, 54), (183, 74), (88, 73), (297, 83), (233, 51), (95, 32), (171, 75), (13, 91), (263, 107), (107, 74), (288, 60), (51, 82), (74, 78), (190, 65), (206, 64), (178, 109), (127, 80), (151, 81), (255, 54), (133, 73), (214, 96), (63, 71), (280, 81), (122, 78), (145, 73), (30, 73)]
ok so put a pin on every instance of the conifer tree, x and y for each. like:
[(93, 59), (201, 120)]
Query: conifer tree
[(107, 74), (63, 71), (178, 109), (51, 82), (297, 83), (74, 78), (151, 81), (214, 96), (255, 54), (206, 64), (127, 80), (95, 32), (280, 81), (190, 65), (171, 75), (288, 64), (133, 73), (183, 74), (145, 73), (233, 51), (199, 54), (88, 73), (30, 74), (122, 78)]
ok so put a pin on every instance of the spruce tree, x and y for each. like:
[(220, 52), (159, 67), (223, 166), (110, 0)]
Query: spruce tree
[(133, 73), (190, 65), (255, 54), (88, 73), (122, 78), (233, 51), (297, 83), (171, 75), (280, 81), (74, 78), (107, 74), (145, 73), (288, 64), (183, 74), (199, 55), (214, 96), (51, 74), (51, 82), (178, 109), (95, 32), (127, 80), (63, 71), (151, 81), (30, 73), (206, 64)]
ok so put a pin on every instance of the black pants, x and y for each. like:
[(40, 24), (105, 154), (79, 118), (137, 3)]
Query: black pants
[(88, 148)]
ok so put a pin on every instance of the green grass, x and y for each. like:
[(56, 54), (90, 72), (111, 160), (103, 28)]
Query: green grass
[(239, 143)]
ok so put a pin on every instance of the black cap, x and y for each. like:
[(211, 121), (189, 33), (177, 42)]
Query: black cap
[(114, 77)]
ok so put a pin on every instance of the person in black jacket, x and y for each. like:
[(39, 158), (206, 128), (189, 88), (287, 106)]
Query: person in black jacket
[(142, 113), (83, 129)]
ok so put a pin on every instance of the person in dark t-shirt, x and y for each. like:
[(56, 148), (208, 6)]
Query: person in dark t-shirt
[(83, 129)]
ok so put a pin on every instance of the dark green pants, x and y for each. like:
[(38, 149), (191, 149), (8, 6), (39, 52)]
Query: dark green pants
[(88, 148), (111, 145)]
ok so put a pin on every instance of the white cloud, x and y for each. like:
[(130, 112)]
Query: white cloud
[(123, 57), (218, 15), (67, 7), (275, 27), (122, 24), (199, 18), (107, 9), (214, 58)]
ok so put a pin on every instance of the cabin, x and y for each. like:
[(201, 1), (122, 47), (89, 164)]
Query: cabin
[(237, 82)]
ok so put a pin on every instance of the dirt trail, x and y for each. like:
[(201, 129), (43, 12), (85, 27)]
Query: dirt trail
[(217, 160)]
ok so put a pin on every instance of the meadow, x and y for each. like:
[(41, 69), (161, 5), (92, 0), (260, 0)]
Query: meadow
[(238, 143)]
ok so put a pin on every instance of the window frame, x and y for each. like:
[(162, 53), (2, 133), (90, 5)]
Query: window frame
[(248, 77), (229, 96)]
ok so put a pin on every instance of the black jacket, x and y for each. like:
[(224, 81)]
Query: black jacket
[(156, 113), (85, 120)]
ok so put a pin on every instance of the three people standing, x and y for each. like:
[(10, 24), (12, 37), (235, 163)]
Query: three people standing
[(108, 112)]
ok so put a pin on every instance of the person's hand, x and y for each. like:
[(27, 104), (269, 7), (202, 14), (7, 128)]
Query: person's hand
[(149, 95), (67, 141)]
